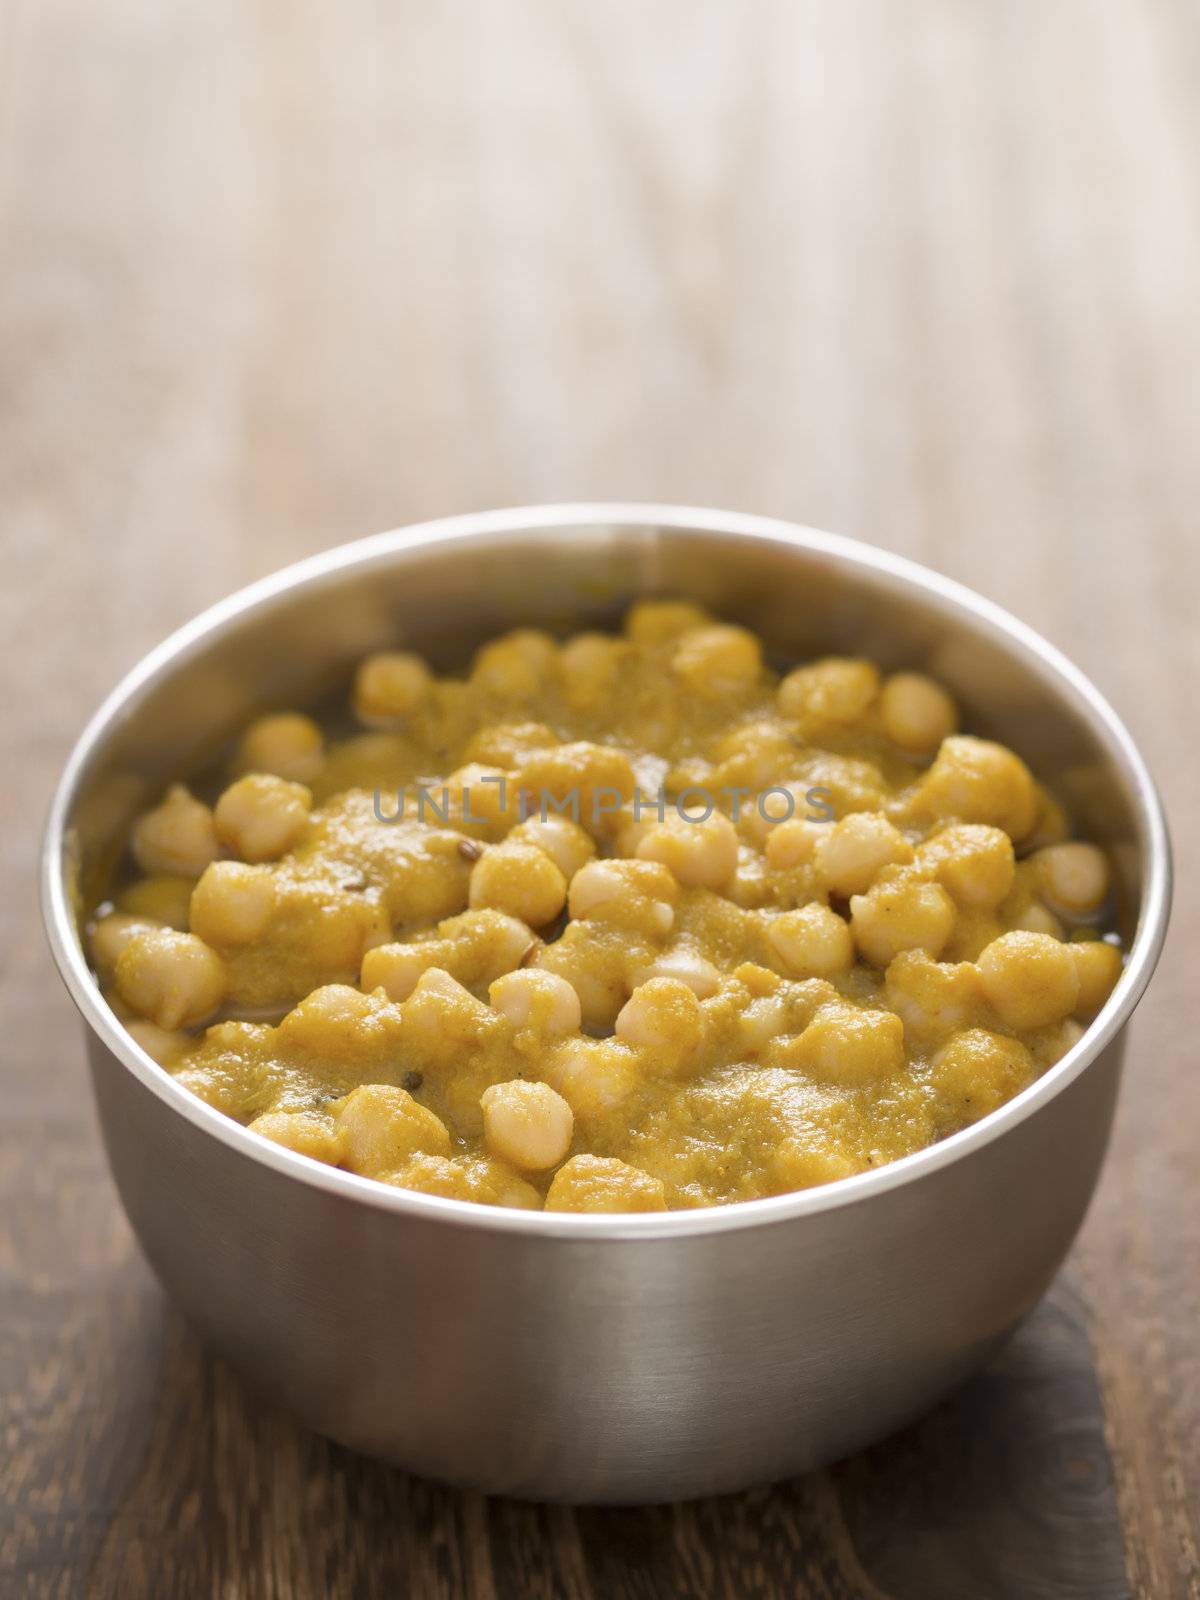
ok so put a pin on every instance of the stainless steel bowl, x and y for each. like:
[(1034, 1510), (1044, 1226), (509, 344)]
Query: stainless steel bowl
[(597, 1358)]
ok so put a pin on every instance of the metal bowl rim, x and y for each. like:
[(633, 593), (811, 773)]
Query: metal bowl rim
[(378, 549)]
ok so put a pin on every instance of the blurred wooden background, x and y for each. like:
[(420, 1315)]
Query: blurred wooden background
[(276, 275)]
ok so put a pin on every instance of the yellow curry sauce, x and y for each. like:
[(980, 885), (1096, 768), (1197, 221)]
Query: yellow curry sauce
[(617, 924)]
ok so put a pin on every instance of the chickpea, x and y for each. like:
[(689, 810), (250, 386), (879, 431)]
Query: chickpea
[(751, 885), (1073, 877), (757, 980), (701, 853), (974, 1073), (232, 904), (592, 783), (396, 968), (1053, 826), (164, 1045), (260, 817), (516, 666), (480, 800), (111, 933), (436, 982), (834, 692), (594, 1076), (761, 814), (718, 661), (852, 851), (813, 942), (1049, 1045), (474, 948), (664, 1021), (1029, 979), (847, 1046), (692, 772), (565, 842), (316, 935), (794, 843), (426, 869), (850, 783), (975, 863), (1034, 917), (334, 1022), (529, 1124), (442, 1019), (632, 830), (933, 998), (521, 880), (686, 966), (305, 1132), (364, 761), (763, 1020), (639, 894), (655, 622), (539, 1000), (917, 713), (172, 978), (285, 744), (800, 1164), (1098, 965), (595, 965), (591, 667), (806, 998), (599, 1183), (390, 686), (377, 926), (165, 897), (177, 836), (500, 746), (974, 780), (482, 1179), (751, 755), (905, 914), (508, 942), (382, 1126)]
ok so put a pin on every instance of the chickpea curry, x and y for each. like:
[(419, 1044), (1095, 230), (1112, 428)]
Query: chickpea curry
[(624, 923)]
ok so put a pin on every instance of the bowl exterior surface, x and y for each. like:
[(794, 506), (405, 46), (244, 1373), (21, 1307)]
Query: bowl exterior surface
[(605, 1370)]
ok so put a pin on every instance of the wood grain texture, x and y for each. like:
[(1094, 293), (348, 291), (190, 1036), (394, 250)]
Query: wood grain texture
[(275, 275)]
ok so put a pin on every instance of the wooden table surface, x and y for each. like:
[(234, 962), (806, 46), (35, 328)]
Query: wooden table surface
[(276, 275)]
